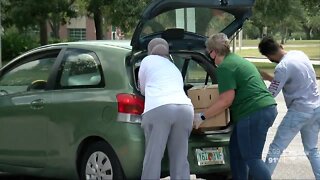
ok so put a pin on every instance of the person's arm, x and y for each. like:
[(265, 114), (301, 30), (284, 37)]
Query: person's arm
[(142, 79), (266, 76), (227, 86), (280, 78), (224, 101)]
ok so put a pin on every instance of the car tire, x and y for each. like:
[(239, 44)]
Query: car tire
[(99, 161)]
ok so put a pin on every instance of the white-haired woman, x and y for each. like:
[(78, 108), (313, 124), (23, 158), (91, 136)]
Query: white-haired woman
[(252, 107), (168, 113)]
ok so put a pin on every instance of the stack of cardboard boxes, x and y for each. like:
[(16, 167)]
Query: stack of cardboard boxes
[(204, 96)]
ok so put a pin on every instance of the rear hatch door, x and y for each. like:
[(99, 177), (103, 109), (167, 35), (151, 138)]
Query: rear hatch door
[(186, 24)]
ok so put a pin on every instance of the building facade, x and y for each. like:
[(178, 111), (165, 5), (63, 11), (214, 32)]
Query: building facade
[(83, 28)]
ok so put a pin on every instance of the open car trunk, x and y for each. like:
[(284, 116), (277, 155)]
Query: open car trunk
[(186, 25), (197, 71)]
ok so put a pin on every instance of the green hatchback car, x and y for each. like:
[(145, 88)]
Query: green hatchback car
[(73, 110)]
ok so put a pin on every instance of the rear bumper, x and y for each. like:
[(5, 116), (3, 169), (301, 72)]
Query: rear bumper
[(209, 141), (204, 141), (131, 155)]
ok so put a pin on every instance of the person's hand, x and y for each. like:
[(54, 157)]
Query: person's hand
[(265, 75), (197, 121)]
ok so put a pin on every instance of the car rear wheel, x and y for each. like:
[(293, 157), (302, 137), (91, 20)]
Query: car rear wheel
[(99, 162)]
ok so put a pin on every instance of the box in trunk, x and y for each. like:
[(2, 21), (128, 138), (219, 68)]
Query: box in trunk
[(215, 122), (203, 97)]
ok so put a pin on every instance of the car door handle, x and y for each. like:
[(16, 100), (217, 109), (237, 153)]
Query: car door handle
[(37, 104)]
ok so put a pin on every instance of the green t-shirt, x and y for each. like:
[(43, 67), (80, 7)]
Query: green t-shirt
[(251, 93)]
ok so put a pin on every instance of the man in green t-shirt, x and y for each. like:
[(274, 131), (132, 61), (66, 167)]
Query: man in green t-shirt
[(252, 107)]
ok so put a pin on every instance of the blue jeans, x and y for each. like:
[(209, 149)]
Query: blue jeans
[(247, 142), (308, 124)]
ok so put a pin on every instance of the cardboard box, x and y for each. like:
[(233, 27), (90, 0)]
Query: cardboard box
[(218, 121), (203, 96)]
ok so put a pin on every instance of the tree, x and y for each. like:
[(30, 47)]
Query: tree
[(291, 21), (120, 13), (36, 13), (15, 43), (266, 13), (126, 14), (311, 21), (61, 12), (281, 16), (5, 19), (250, 31), (96, 9)]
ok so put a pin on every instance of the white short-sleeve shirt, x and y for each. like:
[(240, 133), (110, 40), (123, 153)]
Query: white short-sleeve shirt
[(161, 83)]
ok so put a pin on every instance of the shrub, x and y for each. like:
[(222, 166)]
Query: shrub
[(15, 43), (250, 31)]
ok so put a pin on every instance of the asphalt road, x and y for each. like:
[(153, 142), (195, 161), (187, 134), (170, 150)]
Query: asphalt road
[(293, 163)]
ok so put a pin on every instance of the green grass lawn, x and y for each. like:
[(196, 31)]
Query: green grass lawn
[(250, 43), (269, 67), (310, 47), (312, 51)]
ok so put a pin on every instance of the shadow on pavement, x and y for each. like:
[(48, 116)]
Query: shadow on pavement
[(16, 177)]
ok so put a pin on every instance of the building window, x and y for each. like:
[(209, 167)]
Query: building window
[(77, 34)]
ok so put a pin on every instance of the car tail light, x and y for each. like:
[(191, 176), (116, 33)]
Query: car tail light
[(130, 104)]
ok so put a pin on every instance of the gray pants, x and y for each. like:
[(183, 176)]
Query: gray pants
[(167, 125)]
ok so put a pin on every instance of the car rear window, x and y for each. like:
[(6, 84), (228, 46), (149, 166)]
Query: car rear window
[(203, 21), (80, 68)]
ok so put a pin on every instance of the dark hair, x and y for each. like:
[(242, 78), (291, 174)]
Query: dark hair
[(268, 46)]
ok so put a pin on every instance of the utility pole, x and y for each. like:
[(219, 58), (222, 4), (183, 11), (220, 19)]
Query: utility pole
[(240, 35), (185, 19), (234, 43)]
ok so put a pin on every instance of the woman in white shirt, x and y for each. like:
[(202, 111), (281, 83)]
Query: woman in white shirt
[(168, 113)]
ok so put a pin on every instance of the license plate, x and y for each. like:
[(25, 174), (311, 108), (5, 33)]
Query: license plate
[(209, 156)]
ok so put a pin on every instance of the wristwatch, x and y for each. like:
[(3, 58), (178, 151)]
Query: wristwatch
[(202, 116)]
